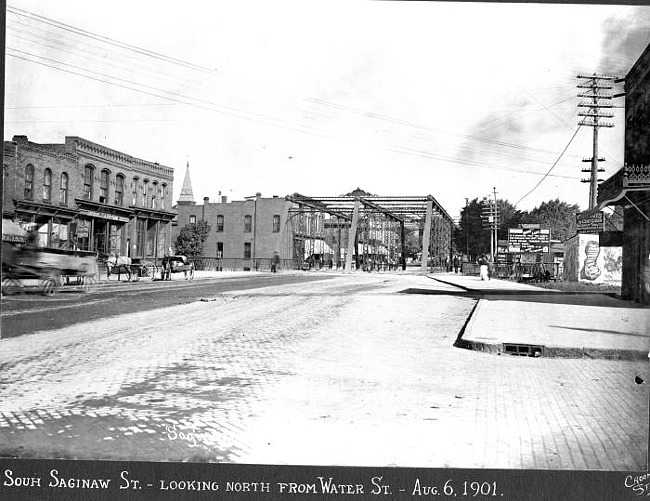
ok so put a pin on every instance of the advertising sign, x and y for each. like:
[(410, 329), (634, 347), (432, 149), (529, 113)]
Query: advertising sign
[(590, 223), (529, 239)]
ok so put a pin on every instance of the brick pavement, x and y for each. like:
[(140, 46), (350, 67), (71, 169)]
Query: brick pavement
[(345, 372)]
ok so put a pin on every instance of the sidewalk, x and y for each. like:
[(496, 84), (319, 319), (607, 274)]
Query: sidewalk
[(522, 319)]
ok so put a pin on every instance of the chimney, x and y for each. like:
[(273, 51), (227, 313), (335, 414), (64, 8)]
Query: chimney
[(224, 199), (206, 200)]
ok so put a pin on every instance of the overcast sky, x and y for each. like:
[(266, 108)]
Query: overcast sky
[(321, 97)]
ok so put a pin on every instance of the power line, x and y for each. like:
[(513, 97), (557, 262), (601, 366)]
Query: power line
[(552, 167)]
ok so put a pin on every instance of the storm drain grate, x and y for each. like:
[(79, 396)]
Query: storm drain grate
[(524, 350)]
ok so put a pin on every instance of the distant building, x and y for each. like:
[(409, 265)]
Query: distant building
[(244, 234), (86, 196), (629, 188)]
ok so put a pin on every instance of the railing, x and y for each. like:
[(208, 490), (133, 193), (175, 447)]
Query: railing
[(239, 264)]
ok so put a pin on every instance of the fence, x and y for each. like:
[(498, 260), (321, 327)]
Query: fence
[(239, 264), (518, 271)]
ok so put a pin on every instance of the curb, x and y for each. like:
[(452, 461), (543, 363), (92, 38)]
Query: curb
[(539, 351)]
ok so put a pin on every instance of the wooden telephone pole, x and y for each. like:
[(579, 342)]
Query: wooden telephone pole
[(597, 90)]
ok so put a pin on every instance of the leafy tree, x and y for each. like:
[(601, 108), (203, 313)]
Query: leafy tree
[(471, 233), (559, 216), (192, 238)]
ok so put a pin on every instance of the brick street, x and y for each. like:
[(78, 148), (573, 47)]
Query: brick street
[(347, 371)]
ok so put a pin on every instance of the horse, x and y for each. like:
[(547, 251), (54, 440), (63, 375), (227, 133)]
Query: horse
[(118, 264)]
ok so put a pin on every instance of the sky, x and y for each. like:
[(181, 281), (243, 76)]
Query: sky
[(321, 97)]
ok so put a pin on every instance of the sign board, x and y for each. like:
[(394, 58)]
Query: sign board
[(104, 215), (590, 223), (529, 239)]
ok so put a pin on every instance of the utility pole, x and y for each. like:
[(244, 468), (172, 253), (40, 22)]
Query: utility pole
[(490, 217), (466, 229), (597, 89)]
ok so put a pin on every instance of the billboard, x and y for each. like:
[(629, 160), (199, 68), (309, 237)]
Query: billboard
[(529, 239)]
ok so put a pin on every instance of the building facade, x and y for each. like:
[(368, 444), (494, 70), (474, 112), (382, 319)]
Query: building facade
[(629, 188), (85, 196), (244, 234)]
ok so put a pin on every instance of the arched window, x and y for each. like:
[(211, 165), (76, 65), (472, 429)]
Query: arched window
[(276, 223), (29, 182), (89, 171), (162, 196), (103, 186), (145, 189), (220, 223), (119, 189), (134, 191), (63, 194), (47, 185), (154, 192)]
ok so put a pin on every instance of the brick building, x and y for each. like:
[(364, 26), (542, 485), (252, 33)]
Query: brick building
[(82, 195), (244, 234), (629, 188)]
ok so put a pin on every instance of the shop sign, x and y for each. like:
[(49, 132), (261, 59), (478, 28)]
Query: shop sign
[(590, 223), (83, 229), (529, 239), (104, 215)]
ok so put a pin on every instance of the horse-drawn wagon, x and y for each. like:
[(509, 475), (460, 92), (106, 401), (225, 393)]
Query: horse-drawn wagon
[(45, 269), (177, 264), (132, 269)]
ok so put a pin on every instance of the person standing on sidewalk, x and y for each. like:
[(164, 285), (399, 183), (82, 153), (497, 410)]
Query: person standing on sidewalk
[(483, 268), (456, 263)]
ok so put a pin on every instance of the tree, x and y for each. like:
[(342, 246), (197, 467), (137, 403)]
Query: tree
[(470, 233), (192, 238), (559, 216)]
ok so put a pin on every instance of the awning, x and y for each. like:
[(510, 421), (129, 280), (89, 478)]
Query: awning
[(12, 232)]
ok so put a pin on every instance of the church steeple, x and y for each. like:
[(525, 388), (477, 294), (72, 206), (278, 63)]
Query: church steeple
[(187, 195)]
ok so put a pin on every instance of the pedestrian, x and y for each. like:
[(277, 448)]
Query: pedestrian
[(456, 263), (275, 262), (483, 268)]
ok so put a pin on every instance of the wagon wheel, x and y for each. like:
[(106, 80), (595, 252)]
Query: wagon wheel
[(49, 286), (151, 270), (88, 284), (10, 286)]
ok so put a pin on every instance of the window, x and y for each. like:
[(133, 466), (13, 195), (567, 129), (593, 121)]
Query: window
[(219, 250), (103, 186), (88, 182), (119, 189), (154, 191), (47, 186), (162, 196), (276, 224), (63, 194), (192, 219), (248, 224), (134, 186), (220, 223), (247, 250), (29, 182), (145, 189)]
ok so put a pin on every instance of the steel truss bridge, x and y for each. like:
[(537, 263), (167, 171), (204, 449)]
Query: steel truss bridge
[(367, 231)]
